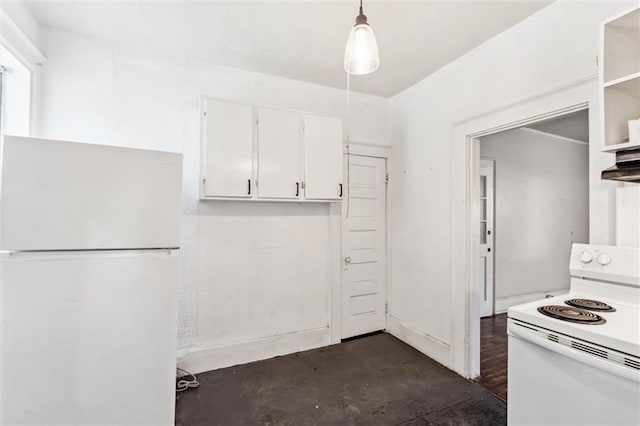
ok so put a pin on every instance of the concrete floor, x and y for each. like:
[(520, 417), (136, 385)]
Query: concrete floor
[(375, 380)]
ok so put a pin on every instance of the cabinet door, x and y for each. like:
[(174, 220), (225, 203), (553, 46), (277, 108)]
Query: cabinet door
[(279, 135), (323, 157), (228, 149)]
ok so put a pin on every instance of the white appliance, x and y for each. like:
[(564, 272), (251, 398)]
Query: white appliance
[(563, 372), (89, 240)]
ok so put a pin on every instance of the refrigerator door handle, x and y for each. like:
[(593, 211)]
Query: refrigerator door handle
[(101, 250), (68, 254)]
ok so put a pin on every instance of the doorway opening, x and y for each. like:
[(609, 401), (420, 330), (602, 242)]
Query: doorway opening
[(533, 202)]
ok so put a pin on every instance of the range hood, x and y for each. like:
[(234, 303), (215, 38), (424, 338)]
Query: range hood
[(627, 167)]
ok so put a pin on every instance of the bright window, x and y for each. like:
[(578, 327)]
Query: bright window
[(15, 92)]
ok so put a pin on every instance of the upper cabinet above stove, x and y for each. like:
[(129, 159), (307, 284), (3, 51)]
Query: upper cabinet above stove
[(620, 81)]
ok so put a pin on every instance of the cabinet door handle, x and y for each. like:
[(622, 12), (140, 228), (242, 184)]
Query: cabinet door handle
[(248, 186), (340, 190), (297, 189)]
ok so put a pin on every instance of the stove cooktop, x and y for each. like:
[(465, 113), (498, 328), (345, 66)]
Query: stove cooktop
[(590, 305), (571, 314), (604, 284), (578, 310), (617, 329)]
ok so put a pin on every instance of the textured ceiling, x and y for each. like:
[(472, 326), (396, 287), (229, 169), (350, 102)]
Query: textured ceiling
[(303, 40)]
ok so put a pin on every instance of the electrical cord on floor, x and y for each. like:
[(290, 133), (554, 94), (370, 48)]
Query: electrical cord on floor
[(183, 382)]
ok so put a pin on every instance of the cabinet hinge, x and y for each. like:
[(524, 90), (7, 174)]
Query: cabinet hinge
[(204, 181), (386, 308), (386, 178), (597, 61)]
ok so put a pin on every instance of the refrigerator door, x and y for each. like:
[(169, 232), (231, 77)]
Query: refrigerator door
[(58, 195), (88, 338)]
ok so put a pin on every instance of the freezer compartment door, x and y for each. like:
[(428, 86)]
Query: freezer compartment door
[(58, 195), (89, 340)]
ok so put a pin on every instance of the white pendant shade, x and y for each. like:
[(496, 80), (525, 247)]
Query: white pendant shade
[(361, 55)]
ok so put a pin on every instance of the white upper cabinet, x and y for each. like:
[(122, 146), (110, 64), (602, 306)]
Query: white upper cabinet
[(227, 149), (279, 136), (269, 154), (323, 157)]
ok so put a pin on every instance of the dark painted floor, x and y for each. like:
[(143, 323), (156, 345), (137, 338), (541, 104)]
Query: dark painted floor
[(376, 380), (493, 354)]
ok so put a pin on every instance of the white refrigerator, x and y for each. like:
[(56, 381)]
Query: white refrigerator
[(89, 239)]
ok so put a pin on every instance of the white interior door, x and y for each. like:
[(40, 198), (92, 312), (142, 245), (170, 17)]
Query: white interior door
[(486, 237), (364, 292), (279, 136)]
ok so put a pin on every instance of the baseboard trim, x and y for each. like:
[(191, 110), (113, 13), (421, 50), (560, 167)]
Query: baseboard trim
[(199, 360), (503, 304), (428, 345)]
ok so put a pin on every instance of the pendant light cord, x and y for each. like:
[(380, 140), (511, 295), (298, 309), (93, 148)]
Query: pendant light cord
[(349, 128), (348, 142)]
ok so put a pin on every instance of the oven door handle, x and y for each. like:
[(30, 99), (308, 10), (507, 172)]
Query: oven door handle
[(592, 360)]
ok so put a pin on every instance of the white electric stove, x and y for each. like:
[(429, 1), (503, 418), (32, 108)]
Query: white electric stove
[(575, 359)]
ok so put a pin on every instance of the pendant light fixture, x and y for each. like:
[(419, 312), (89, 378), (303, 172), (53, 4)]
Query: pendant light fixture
[(361, 55)]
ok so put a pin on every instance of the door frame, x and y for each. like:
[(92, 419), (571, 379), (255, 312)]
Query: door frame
[(336, 214), (465, 156), (490, 280)]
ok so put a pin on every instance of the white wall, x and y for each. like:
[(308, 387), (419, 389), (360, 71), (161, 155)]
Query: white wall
[(551, 49), (541, 208), (628, 215), (250, 270)]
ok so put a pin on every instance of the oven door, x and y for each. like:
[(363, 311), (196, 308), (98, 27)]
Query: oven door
[(556, 380)]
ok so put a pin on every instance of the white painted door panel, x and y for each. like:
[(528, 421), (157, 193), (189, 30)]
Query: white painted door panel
[(64, 195), (228, 149), (486, 237), (279, 134), (323, 157), (364, 293), (88, 338)]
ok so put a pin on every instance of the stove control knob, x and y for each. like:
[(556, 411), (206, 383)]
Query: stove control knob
[(604, 259), (586, 257)]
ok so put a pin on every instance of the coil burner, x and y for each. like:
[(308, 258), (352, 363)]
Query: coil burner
[(571, 314), (590, 305)]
